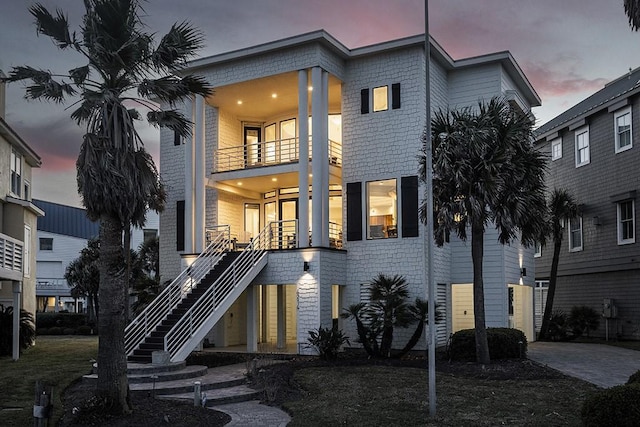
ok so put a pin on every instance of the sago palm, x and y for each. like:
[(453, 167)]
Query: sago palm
[(485, 171), (117, 178)]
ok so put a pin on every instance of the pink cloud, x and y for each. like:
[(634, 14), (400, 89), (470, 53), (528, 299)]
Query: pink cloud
[(551, 82)]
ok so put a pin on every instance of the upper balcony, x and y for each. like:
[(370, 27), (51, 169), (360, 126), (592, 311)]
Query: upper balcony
[(11, 258), (267, 153)]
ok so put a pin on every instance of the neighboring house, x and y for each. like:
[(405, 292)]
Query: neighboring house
[(594, 153), (62, 234), (17, 220), (316, 231)]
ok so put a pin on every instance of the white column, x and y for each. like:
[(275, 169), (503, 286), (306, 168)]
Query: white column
[(17, 290), (316, 161), (325, 158), (200, 160), (56, 303), (189, 188), (252, 318), (282, 318), (303, 161)]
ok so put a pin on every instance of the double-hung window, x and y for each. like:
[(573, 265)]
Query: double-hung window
[(575, 234), (582, 146), (16, 173), (556, 149), (626, 222), (622, 129)]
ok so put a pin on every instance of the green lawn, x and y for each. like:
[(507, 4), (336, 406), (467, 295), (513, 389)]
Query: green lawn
[(398, 396), (57, 361)]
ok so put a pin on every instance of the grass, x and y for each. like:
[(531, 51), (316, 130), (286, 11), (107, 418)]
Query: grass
[(57, 361), (383, 396)]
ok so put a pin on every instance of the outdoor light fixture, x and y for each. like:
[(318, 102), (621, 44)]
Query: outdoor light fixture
[(306, 266), (597, 221), (523, 272)]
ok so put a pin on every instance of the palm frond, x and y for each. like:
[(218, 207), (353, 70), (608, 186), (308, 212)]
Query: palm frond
[(56, 27), (170, 89), (632, 9), (178, 45), (170, 119), (79, 75)]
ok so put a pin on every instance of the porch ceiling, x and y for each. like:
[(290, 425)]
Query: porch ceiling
[(257, 100)]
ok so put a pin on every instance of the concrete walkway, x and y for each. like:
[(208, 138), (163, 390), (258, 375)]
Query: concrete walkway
[(254, 414), (603, 365)]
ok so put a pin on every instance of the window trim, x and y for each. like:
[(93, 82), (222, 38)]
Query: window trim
[(569, 228), (537, 249), (385, 229), (374, 97), (616, 115), (48, 240), (556, 142), (620, 239), (582, 131), (16, 163)]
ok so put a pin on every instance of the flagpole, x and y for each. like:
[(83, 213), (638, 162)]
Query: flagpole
[(428, 232)]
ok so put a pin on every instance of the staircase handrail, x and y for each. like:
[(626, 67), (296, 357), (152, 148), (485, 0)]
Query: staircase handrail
[(171, 296), (215, 296)]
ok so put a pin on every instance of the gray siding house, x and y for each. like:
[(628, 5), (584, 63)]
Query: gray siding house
[(299, 185), (594, 153)]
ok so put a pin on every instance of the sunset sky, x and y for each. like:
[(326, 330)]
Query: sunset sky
[(568, 49)]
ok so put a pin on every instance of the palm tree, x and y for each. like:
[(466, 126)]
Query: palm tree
[(117, 178), (485, 170), (562, 207), (632, 9)]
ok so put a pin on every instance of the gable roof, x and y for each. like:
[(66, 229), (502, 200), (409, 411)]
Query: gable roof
[(613, 92), (66, 220)]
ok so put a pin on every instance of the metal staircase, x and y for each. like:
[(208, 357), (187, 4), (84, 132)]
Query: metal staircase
[(181, 316)]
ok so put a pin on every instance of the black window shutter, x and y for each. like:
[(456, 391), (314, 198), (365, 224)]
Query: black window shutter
[(180, 225), (176, 138), (364, 101), (395, 96), (354, 211), (409, 188)]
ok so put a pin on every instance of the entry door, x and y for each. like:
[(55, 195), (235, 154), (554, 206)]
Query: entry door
[(252, 147), (251, 221)]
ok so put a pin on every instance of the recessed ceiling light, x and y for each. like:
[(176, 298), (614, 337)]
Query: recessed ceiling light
[(310, 88), (239, 184), (274, 179), (274, 95), (239, 101)]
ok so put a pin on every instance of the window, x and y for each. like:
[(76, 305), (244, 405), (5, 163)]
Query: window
[(556, 149), (622, 129), (16, 173), (177, 139), (27, 190), (46, 244), (626, 222), (582, 146), (575, 234), (380, 98), (537, 250), (149, 233), (382, 209), (26, 263)]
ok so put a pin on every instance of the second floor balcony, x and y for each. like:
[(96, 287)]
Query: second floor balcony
[(11, 258), (267, 153)]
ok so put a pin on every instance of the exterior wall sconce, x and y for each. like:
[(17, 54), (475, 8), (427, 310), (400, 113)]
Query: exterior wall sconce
[(305, 266), (597, 221), (523, 272)]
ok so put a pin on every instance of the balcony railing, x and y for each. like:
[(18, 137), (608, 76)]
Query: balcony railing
[(267, 153), (11, 251), (47, 285)]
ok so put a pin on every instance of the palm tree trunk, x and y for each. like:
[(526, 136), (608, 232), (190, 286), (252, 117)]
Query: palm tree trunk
[(477, 254), (127, 257), (551, 292), (113, 385)]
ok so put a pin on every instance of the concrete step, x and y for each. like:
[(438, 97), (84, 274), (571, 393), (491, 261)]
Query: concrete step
[(185, 373), (221, 396)]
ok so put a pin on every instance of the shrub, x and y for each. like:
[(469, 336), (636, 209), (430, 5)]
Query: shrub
[(504, 343), (634, 378), (27, 331), (617, 406), (558, 327), (56, 330), (83, 330), (63, 320), (68, 331), (583, 319), (327, 341)]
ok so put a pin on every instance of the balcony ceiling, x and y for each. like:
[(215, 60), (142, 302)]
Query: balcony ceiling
[(258, 103)]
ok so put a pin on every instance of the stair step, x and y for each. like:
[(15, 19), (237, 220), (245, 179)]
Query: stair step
[(240, 393), (185, 373), (151, 346), (221, 377)]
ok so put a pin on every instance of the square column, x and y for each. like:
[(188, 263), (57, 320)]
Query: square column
[(320, 160), (252, 318), (17, 290), (199, 175), (303, 160), (189, 179)]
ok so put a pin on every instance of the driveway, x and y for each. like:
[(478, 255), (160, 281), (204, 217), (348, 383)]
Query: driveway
[(603, 365)]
